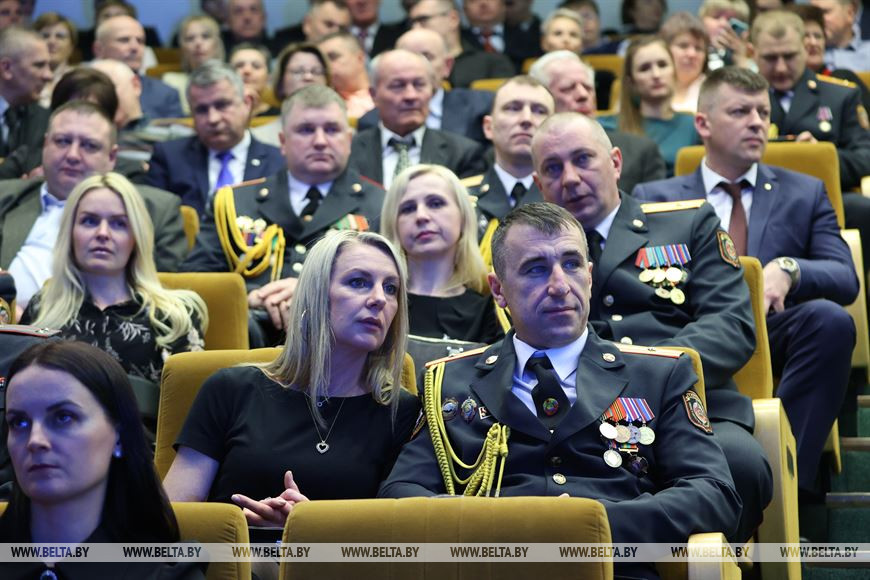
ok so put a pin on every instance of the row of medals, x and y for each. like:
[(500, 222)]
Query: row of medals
[(661, 278), (620, 433)]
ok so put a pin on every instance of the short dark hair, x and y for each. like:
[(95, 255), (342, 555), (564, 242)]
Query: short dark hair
[(136, 507), (575, 4), (523, 80), (286, 54), (735, 77), (808, 13), (128, 8), (86, 108), (87, 84), (547, 218)]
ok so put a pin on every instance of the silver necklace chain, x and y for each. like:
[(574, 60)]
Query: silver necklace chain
[(322, 447)]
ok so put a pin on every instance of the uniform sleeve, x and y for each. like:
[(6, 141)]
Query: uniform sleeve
[(853, 148), (158, 169), (415, 472), (207, 254), (697, 492), (170, 243), (406, 418), (217, 405)]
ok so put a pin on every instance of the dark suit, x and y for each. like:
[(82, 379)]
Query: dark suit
[(462, 156), (812, 339), (159, 100), (641, 159), (684, 492), (492, 199), (473, 64), (28, 132), (462, 113), (181, 166), (270, 200), (387, 35), (520, 42), (20, 206)]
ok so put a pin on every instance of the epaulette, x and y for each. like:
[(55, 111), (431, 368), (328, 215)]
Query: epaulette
[(26, 330), (836, 81), (370, 181), (457, 356), (672, 205), (249, 182), (472, 181), (648, 350)]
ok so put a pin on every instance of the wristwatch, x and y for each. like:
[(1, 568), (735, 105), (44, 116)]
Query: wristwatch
[(790, 267)]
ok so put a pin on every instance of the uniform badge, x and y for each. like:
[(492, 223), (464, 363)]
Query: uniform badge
[(696, 412), (824, 116), (352, 222), (468, 409), (418, 426), (5, 312), (483, 412), (449, 408), (863, 120), (727, 249)]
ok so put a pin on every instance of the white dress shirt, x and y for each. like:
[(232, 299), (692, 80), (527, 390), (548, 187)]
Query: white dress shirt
[(720, 199), (299, 189), (508, 181)]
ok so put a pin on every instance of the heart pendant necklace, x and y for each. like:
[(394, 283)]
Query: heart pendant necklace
[(322, 446)]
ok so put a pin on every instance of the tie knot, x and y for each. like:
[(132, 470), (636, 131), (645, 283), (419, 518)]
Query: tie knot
[(225, 156), (313, 194), (401, 144), (735, 190), (539, 360), (518, 192)]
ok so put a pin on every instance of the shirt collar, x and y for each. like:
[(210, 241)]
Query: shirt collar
[(386, 135), (713, 179), (47, 199), (4, 104), (564, 358), (497, 30), (295, 185), (604, 227), (240, 151), (436, 104), (508, 181)]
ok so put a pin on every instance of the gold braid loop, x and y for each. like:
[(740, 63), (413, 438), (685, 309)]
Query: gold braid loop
[(267, 250), (483, 470)]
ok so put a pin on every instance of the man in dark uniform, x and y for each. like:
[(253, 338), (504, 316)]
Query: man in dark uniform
[(551, 403), (703, 303), (785, 220), (519, 108), (263, 228)]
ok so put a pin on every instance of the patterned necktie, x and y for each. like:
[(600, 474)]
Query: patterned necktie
[(737, 228), (313, 196), (593, 240), (551, 403), (224, 177), (402, 147), (517, 193)]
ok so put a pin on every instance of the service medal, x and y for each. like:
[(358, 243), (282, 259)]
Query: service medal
[(612, 458)]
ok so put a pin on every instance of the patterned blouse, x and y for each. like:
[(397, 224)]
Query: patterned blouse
[(124, 331)]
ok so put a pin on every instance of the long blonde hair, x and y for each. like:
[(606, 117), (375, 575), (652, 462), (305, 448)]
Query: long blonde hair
[(306, 357), (169, 311), (468, 267)]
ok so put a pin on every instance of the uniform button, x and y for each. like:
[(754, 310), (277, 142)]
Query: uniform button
[(559, 478), (555, 461), (626, 340), (616, 317), (297, 267), (608, 300), (300, 249)]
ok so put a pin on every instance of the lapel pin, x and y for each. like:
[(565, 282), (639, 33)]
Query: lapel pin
[(356, 187), (263, 193), (255, 162), (608, 357), (768, 186)]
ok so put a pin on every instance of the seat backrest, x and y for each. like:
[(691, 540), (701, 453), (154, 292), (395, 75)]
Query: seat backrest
[(609, 62), (215, 523), (454, 520), (491, 85), (190, 220), (816, 159), (226, 297), (755, 379), (184, 374)]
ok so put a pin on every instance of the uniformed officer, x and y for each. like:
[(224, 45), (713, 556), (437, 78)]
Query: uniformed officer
[(553, 409), (519, 107), (664, 274), (263, 228)]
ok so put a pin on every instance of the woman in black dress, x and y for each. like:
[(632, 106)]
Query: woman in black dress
[(428, 213), (328, 416)]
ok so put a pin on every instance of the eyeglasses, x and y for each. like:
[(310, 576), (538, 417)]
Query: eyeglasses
[(300, 73), (422, 19)]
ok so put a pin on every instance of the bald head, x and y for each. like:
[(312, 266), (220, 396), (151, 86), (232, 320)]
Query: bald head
[(128, 88), (432, 46), (121, 38)]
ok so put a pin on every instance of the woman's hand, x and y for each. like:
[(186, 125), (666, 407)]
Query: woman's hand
[(272, 511)]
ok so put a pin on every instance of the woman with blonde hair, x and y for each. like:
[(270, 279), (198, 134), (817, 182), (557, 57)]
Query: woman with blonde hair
[(428, 214), (329, 412), (645, 103), (199, 38), (104, 288)]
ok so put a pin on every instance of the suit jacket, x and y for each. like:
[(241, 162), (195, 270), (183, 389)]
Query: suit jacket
[(790, 216), (816, 99), (20, 206), (269, 200), (462, 156), (159, 100), (463, 112), (181, 166), (387, 35), (641, 159), (688, 487), (492, 199), (473, 64), (29, 132), (520, 42)]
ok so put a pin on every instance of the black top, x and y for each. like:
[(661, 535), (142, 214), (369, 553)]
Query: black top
[(124, 331), (257, 429), (469, 317)]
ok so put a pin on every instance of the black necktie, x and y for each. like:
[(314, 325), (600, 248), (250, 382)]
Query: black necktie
[(551, 403), (313, 196), (517, 193), (12, 120), (593, 240)]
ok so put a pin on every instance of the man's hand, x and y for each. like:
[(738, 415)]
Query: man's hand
[(275, 299), (777, 284), (272, 511), (805, 137)]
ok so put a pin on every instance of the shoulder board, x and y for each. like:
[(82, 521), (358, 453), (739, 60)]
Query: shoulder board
[(672, 205), (371, 181), (25, 330), (453, 357), (836, 81), (472, 181), (249, 182), (648, 350)]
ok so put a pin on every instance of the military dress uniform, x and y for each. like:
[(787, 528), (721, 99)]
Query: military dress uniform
[(492, 202), (683, 485), (252, 228), (702, 304)]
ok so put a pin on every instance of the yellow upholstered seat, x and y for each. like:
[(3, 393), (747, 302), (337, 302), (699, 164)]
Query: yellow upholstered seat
[(491, 85)]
